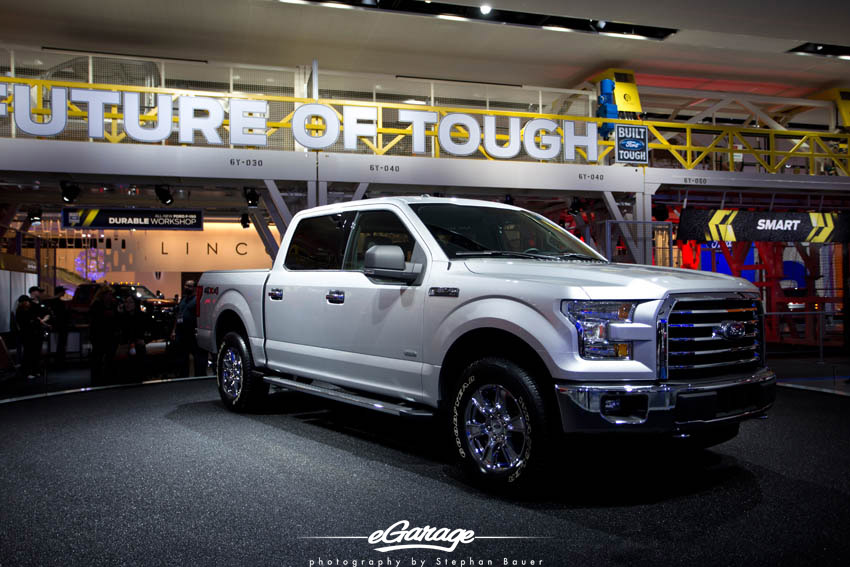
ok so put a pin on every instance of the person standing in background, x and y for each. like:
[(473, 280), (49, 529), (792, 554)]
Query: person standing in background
[(36, 326), (103, 332), (131, 322), (18, 322), (183, 334), (59, 306)]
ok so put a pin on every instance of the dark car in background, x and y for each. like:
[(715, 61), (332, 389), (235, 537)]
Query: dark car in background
[(160, 312)]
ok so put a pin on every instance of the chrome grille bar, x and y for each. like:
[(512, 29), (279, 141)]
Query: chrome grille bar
[(705, 324), (713, 364), (704, 311), (715, 351), (698, 339)]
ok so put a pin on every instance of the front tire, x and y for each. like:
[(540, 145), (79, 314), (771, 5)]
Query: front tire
[(499, 423), (240, 387)]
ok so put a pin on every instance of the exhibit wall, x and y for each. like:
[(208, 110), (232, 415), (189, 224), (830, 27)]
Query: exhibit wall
[(157, 258)]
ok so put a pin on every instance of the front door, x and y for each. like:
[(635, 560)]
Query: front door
[(337, 325), (378, 328)]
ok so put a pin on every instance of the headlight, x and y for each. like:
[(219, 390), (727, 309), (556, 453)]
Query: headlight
[(591, 319)]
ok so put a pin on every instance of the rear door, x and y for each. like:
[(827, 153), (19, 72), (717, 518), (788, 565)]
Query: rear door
[(296, 325)]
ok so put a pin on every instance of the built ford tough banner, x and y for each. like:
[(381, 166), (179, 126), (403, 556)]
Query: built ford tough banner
[(731, 226), (141, 219)]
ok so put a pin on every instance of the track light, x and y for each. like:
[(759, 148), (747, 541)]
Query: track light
[(70, 191), (163, 193), (485, 9), (251, 197), (245, 220), (34, 217)]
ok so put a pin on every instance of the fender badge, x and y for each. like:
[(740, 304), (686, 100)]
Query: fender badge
[(444, 292)]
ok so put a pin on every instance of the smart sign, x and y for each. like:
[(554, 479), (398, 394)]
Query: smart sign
[(731, 226)]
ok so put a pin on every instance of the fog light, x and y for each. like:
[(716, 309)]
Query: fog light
[(624, 408)]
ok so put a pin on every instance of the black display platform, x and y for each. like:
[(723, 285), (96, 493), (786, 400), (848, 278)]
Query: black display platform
[(163, 475)]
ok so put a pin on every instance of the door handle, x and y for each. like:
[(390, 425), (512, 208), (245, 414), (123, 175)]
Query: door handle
[(275, 294), (335, 296)]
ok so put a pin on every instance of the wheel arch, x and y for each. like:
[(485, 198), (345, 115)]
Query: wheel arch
[(229, 321), (489, 341)]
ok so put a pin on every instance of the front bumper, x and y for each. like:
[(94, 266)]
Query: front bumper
[(663, 406)]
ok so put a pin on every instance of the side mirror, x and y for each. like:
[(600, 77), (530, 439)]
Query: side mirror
[(387, 262)]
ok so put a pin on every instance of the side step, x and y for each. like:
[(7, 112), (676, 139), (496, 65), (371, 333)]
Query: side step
[(392, 408)]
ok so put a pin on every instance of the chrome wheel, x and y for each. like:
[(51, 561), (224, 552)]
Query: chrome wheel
[(231, 372), (495, 428)]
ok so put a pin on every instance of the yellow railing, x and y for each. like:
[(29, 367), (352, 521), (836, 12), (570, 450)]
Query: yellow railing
[(689, 145)]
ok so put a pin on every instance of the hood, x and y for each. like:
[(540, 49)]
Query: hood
[(159, 302), (608, 281)]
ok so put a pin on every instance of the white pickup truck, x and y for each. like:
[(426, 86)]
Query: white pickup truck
[(492, 318)]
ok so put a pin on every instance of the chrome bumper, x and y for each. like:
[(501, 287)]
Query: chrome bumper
[(664, 405)]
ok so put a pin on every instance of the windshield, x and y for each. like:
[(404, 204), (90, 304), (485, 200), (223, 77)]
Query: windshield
[(465, 231), (140, 291)]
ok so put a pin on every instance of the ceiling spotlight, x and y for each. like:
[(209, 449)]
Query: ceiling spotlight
[(601, 24), (70, 191), (485, 9), (251, 197), (34, 217), (245, 220), (163, 193)]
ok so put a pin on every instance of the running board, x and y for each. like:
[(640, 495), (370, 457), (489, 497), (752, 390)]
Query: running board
[(349, 398)]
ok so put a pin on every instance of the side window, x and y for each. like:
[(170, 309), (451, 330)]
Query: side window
[(319, 243), (377, 228)]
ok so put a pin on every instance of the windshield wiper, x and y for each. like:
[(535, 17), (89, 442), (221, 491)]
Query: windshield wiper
[(456, 238), (578, 256), (506, 254)]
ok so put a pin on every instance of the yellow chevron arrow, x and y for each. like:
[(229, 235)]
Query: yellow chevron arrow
[(720, 226), (90, 216), (822, 226)]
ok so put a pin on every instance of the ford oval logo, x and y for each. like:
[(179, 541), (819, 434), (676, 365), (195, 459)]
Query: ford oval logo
[(730, 330), (632, 145)]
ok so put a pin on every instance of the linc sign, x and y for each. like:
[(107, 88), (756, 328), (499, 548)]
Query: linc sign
[(539, 137)]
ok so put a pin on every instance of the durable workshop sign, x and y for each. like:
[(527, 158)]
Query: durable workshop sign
[(142, 219), (632, 144), (732, 226)]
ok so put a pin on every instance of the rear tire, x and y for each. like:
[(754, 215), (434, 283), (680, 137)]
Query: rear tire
[(241, 388), (499, 423)]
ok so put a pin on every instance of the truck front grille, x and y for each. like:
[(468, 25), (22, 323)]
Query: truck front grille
[(712, 337)]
